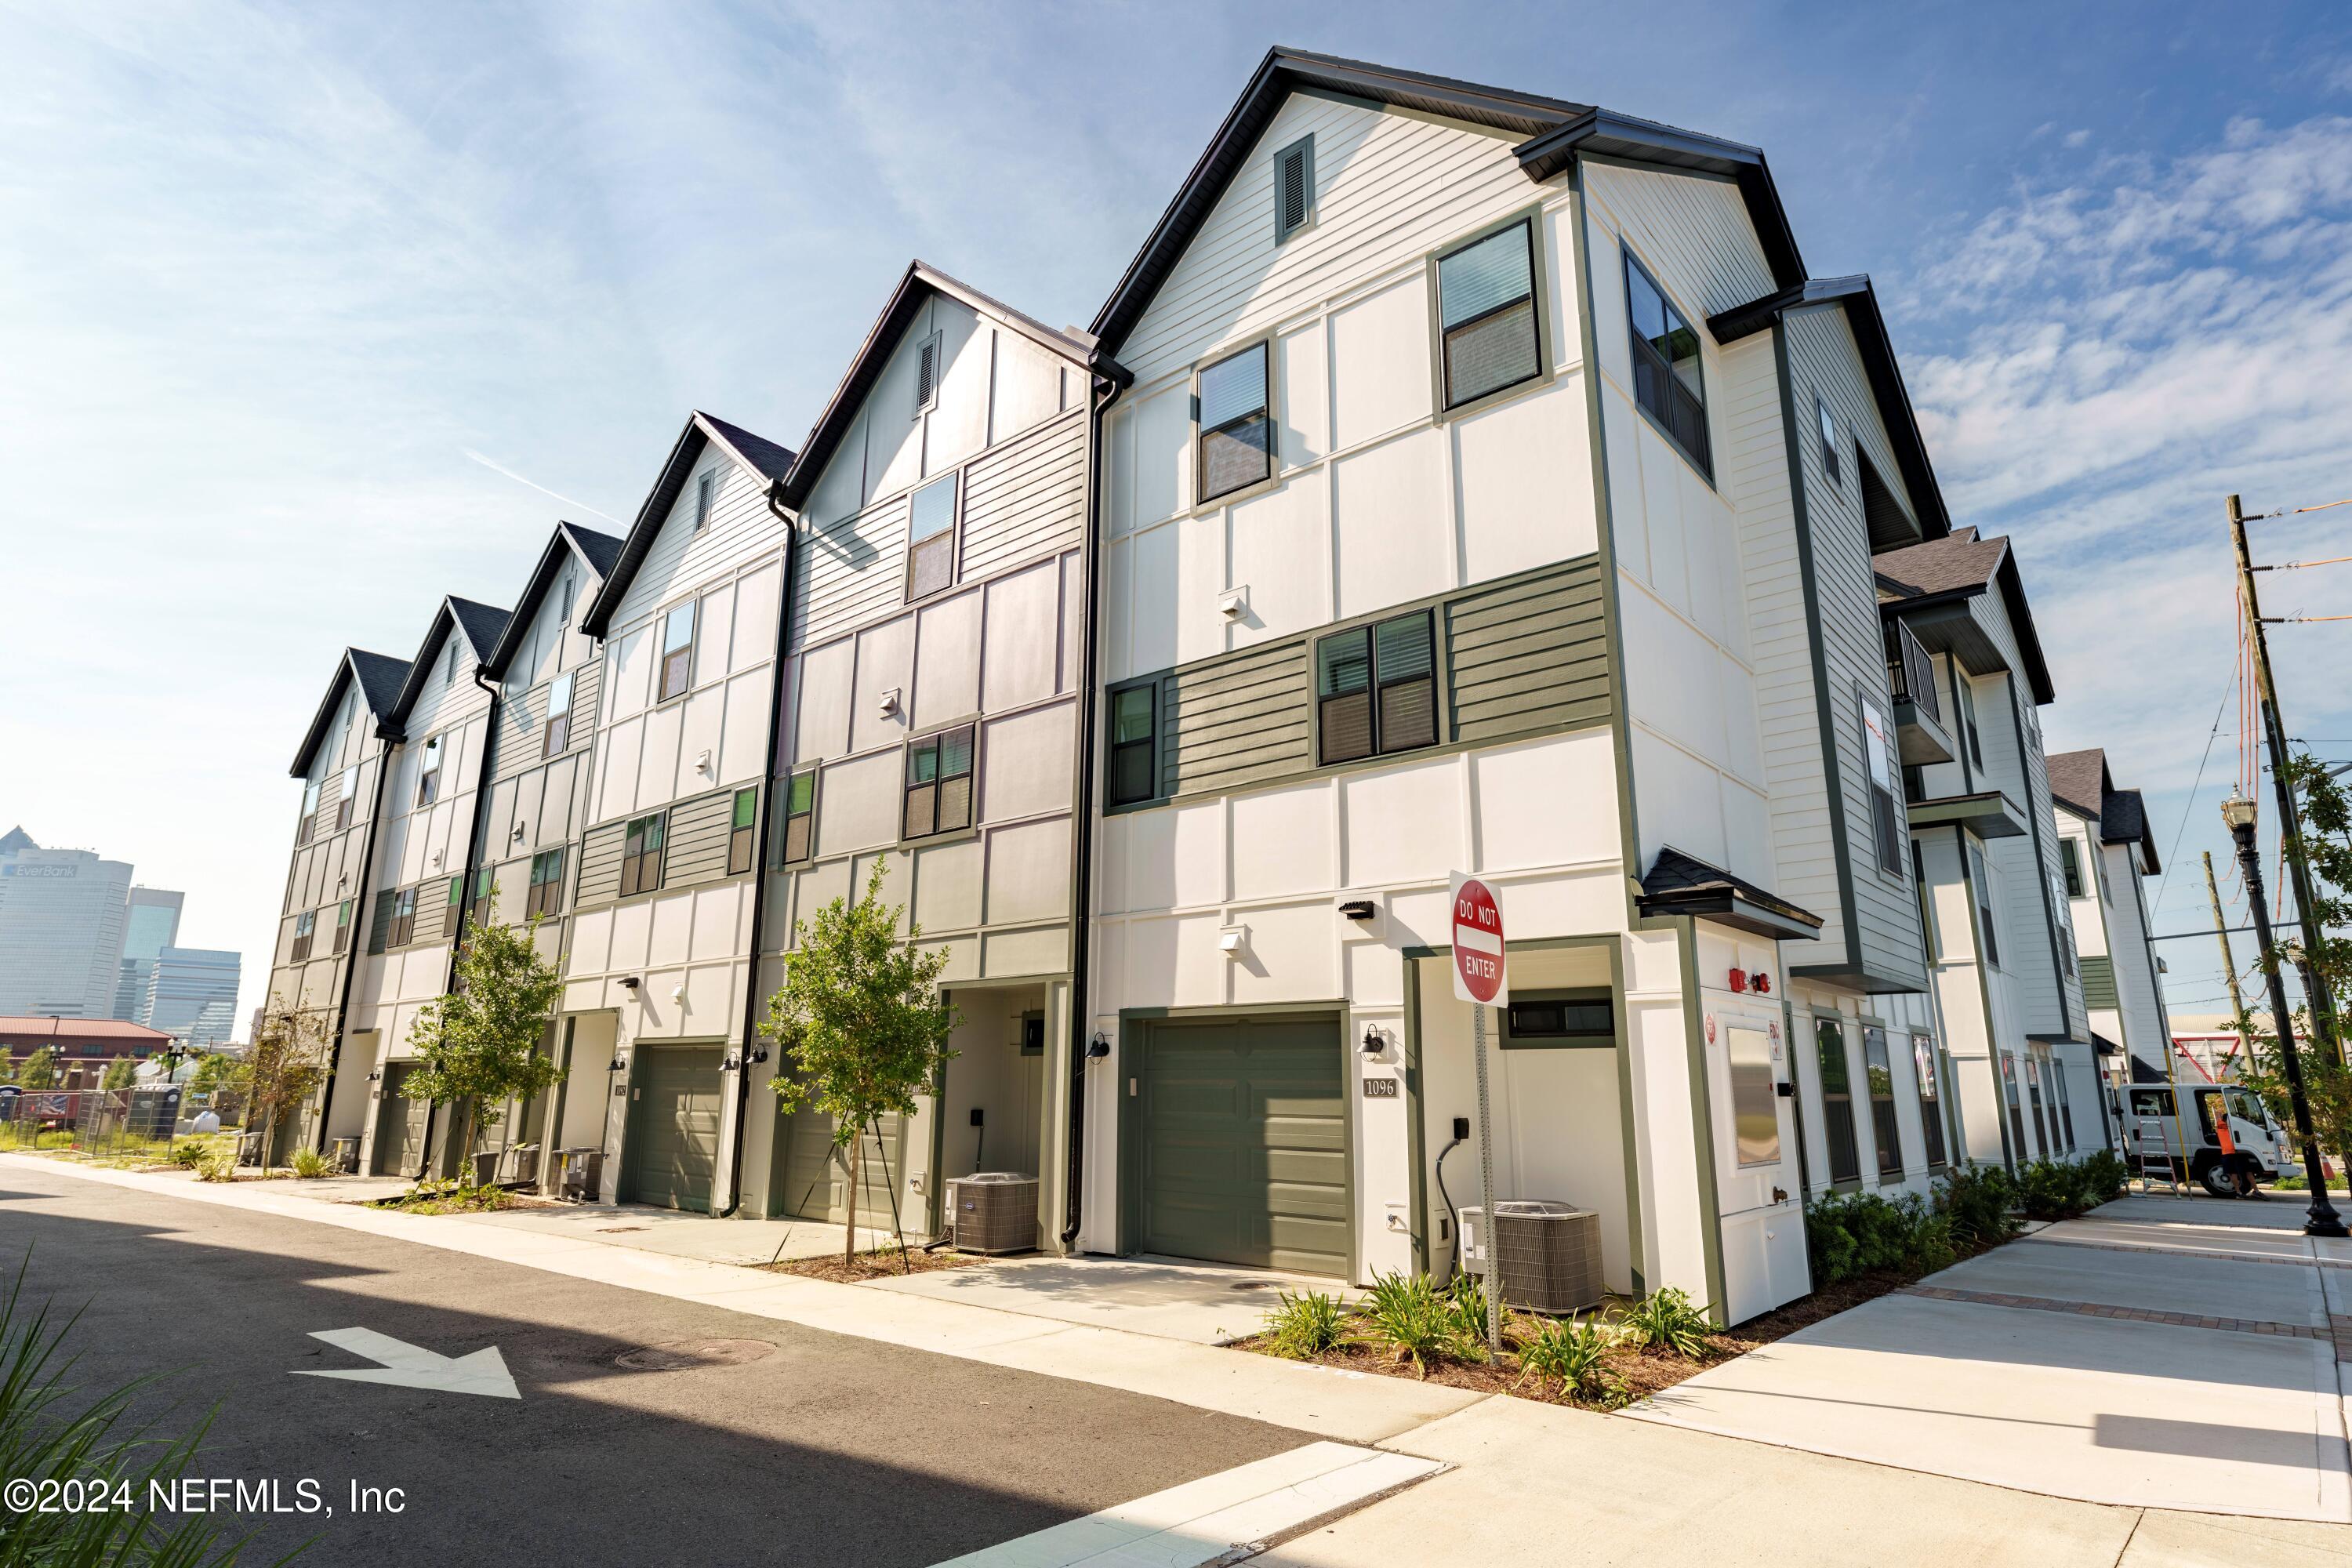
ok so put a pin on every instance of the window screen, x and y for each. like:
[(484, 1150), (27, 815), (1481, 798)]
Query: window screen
[(1837, 1100), (1829, 440), (1236, 434), (2071, 856), (939, 783), (546, 885), (1878, 771), (1983, 880), (404, 918), (428, 771), (1755, 1108), (743, 830), (1134, 723), (348, 805), (478, 912), (1376, 689), (800, 816), (343, 925), (305, 924), (1486, 314), (930, 539), (641, 855), (558, 731), (677, 652), (1880, 1070), (1667, 380), (1931, 1109)]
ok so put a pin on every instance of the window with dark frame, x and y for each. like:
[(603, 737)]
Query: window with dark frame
[(2065, 1105), (449, 670), (1294, 187), (309, 811), (1667, 379), (546, 895), (343, 926), (1829, 439), (1134, 744), (939, 784), (1878, 771), (2069, 855), (1927, 903), (678, 652), (641, 853), (428, 771), (2062, 919), (305, 924), (403, 919), (705, 486), (1236, 439), (1931, 1109), (347, 806), (1489, 336), (1878, 1069), (1837, 1100), (556, 734), (800, 817), (931, 539), (1584, 1018), (478, 912), (1376, 689), (1967, 715), (2033, 1093), (743, 831), (2016, 1111), (1982, 880), (926, 375)]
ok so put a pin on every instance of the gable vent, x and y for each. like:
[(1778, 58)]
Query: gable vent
[(926, 375), (1294, 187)]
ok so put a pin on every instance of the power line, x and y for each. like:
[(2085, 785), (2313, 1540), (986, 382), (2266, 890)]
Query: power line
[(2295, 510), (2218, 709)]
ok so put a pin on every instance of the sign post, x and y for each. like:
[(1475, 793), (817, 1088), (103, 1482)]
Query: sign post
[(1479, 979)]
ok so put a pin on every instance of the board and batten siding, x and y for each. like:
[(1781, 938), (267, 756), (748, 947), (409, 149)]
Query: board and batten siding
[(1823, 363)]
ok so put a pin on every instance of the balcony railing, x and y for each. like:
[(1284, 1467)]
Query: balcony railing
[(1910, 672)]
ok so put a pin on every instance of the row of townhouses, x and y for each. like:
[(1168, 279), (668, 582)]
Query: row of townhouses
[(1457, 479)]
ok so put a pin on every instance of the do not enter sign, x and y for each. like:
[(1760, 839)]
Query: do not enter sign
[(1478, 968)]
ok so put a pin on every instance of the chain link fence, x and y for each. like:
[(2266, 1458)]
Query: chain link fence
[(115, 1124)]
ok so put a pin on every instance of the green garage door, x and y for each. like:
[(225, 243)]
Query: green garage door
[(400, 1125), (1242, 1147), (812, 1180), (673, 1128)]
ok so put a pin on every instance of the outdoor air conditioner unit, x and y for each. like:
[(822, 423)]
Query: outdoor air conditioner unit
[(993, 1212), (1548, 1254)]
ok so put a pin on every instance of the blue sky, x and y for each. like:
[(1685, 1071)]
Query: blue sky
[(310, 314)]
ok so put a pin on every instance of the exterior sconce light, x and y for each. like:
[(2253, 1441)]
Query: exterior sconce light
[(630, 983), (1358, 908), (1097, 1048), (1374, 1041)]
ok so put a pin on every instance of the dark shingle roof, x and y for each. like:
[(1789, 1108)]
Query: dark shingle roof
[(1677, 883), (569, 542), (771, 463), (1960, 564), (598, 549), (378, 679), (2082, 782), (481, 623), (481, 626)]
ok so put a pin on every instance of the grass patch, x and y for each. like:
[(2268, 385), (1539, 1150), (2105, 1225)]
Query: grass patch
[(450, 1197)]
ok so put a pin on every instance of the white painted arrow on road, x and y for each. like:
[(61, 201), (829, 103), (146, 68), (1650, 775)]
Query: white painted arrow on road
[(406, 1365)]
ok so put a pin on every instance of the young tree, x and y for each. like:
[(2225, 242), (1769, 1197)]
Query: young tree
[(2327, 1080), (478, 1047), (860, 1019), (118, 1074), (283, 1069), (228, 1080), (38, 1071), (7, 1066)]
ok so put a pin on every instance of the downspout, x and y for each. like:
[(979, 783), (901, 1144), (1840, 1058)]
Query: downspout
[(351, 953), (1106, 379), (760, 841), (465, 896)]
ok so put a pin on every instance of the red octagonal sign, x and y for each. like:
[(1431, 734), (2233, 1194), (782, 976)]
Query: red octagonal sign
[(1478, 968)]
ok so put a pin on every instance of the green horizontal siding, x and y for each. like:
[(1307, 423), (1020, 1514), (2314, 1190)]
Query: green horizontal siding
[(600, 864), (1239, 721), (2099, 983), (1528, 655)]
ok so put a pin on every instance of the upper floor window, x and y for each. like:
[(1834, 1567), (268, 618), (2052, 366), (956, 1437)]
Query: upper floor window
[(939, 783), (1967, 715), (2061, 916), (800, 816), (349, 804), (676, 652), (743, 831), (1829, 439), (305, 925), (546, 895), (1982, 880), (449, 669), (1486, 314), (641, 855), (1376, 689), (479, 912), (428, 771), (1878, 771), (705, 486), (563, 617), (2069, 857), (1133, 751), (1236, 428), (930, 539), (343, 925), (309, 811), (403, 919), (926, 375), (1294, 189), (557, 733), (1667, 380)]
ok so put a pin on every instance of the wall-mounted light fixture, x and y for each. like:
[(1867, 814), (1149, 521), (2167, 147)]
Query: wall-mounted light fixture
[(1358, 908), (1098, 1046), (1375, 1042), (630, 983)]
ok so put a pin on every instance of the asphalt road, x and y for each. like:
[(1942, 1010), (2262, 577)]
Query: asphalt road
[(811, 1449)]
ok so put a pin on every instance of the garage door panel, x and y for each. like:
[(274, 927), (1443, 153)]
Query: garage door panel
[(674, 1127), (1301, 1170)]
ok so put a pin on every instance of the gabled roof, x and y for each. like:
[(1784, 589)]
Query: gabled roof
[(1680, 884), (918, 283), (1894, 411), (569, 541), (1555, 132), (378, 677), (2080, 782), (760, 455), (479, 625), (1960, 566)]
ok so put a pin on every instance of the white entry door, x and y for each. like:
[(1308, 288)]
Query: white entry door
[(1757, 1189)]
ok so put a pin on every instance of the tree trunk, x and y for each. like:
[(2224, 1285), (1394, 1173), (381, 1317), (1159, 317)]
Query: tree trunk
[(463, 1130), (856, 1191)]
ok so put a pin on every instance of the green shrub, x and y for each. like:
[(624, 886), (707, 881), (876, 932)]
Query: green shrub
[(1978, 1201), (217, 1166), (1861, 1233), (1467, 1292), (1667, 1318), (1566, 1354), (309, 1165), (2104, 1175), (188, 1155), (1303, 1326), (2293, 1182), (1417, 1321)]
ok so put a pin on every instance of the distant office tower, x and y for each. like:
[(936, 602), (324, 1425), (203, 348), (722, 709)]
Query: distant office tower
[(151, 925), (61, 913), (192, 995)]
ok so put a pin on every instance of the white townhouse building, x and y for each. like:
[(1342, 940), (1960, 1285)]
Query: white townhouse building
[(1496, 492), (2107, 847), (440, 724), (658, 964), (1999, 929), (937, 659), (341, 763)]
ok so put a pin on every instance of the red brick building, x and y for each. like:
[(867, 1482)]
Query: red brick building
[(85, 1048)]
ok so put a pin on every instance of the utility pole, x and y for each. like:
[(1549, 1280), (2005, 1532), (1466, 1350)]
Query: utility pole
[(2229, 964), (2315, 991)]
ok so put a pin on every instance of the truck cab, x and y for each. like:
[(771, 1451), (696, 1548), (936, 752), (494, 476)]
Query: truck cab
[(2219, 1135)]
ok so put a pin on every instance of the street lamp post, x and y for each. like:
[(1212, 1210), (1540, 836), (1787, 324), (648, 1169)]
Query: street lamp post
[(2239, 813)]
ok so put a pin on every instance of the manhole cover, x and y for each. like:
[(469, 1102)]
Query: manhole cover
[(683, 1356)]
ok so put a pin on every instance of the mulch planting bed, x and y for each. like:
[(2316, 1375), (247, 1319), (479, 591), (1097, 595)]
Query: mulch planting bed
[(883, 1264)]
